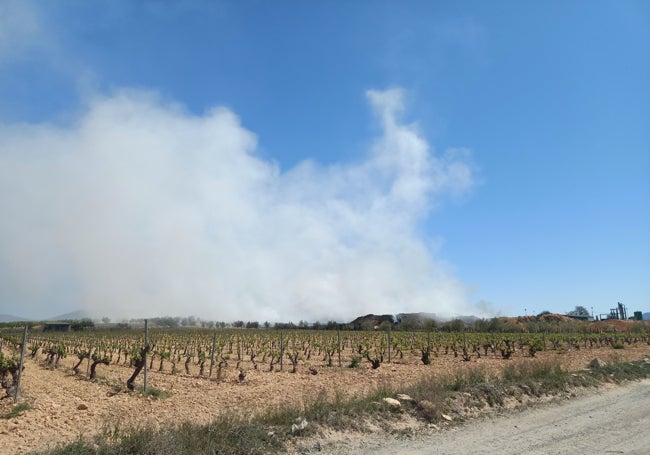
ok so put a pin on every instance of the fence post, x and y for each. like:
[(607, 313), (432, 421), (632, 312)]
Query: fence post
[(338, 335), (20, 368), (90, 354), (214, 341), (388, 336), (146, 345), (281, 349)]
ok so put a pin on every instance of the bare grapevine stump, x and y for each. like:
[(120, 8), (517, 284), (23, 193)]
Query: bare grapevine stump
[(139, 365), (81, 356), (96, 361)]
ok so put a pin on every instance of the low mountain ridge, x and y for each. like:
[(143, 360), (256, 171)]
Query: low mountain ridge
[(73, 315), (11, 318)]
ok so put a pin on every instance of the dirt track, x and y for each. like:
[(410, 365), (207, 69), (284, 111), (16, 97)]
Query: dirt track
[(612, 420)]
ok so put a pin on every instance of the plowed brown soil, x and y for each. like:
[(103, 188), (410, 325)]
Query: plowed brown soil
[(65, 406)]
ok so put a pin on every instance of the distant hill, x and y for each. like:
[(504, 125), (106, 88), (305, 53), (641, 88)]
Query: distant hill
[(73, 315), (416, 321), (370, 321), (646, 316), (11, 318)]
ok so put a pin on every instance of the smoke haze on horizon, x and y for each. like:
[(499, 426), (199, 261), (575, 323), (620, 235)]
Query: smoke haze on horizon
[(139, 208)]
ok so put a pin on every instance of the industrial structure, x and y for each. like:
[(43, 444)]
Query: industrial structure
[(620, 312)]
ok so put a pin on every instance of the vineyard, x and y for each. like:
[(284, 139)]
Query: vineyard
[(209, 354), (90, 379)]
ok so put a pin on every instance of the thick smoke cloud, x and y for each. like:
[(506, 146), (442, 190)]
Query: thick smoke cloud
[(142, 209)]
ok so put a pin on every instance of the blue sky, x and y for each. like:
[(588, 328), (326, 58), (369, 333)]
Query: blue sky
[(530, 124)]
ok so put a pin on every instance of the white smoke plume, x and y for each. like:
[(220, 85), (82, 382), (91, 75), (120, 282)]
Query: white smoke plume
[(141, 209)]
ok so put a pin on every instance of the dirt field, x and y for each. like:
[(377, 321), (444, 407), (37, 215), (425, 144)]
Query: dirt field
[(65, 407)]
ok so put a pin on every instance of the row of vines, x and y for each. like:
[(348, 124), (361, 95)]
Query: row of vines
[(209, 353)]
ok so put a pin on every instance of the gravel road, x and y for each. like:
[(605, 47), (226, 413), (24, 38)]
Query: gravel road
[(611, 421)]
